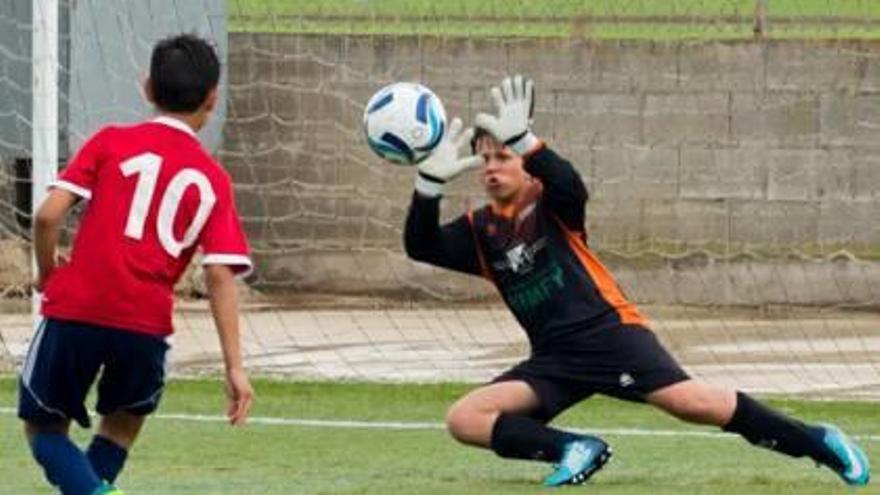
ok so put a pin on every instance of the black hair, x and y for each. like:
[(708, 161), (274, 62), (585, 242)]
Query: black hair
[(479, 133), (183, 71)]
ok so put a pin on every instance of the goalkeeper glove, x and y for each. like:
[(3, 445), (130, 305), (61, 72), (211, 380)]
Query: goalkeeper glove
[(515, 102), (448, 160)]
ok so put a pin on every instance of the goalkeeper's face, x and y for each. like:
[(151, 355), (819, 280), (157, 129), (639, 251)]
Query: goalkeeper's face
[(503, 176)]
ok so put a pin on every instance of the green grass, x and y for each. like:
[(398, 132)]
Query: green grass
[(621, 19), (177, 457)]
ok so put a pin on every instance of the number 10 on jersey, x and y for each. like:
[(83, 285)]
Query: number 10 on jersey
[(147, 167)]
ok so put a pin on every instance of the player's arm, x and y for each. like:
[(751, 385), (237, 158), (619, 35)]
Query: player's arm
[(75, 182), (452, 245), (564, 190), (223, 295), (47, 230), (226, 255)]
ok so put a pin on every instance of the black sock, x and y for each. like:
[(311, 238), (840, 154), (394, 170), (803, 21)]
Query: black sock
[(765, 427), (106, 457), (519, 437)]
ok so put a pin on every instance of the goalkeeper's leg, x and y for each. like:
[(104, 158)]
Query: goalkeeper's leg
[(739, 413), (501, 417)]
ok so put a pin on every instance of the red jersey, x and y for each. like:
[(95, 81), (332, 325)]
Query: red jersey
[(154, 197)]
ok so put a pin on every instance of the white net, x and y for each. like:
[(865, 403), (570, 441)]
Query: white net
[(734, 182), (15, 137)]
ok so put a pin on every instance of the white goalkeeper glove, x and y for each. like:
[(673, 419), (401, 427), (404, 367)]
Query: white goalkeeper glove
[(449, 159), (515, 101)]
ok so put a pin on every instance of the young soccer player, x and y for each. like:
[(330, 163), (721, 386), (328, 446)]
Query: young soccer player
[(154, 196), (585, 336)]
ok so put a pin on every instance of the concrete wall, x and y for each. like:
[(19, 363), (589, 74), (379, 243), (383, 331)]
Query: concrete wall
[(723, 153)]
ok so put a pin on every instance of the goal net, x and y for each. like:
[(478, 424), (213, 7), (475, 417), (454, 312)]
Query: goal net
[(729, 149)]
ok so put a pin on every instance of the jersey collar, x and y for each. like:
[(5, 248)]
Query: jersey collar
[(174, 123)]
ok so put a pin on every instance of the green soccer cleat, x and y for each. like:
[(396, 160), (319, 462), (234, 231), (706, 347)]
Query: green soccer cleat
[(107, 489), (580, 460), (856, 470)]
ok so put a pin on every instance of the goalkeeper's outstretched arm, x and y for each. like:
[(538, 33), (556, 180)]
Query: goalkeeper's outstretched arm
[(564, 191), (451, 246)]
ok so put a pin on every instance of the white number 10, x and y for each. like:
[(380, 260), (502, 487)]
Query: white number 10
[(147, 167)]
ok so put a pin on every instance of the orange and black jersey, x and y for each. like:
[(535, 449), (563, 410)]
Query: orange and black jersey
[(535, 253)]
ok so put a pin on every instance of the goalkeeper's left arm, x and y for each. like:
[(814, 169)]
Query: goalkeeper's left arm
[(564, 191), (451, 246)]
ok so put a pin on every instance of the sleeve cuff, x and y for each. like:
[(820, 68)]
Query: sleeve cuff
[(71, 187), (240, 264)]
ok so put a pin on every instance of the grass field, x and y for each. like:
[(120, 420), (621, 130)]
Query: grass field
[(182, 456), (597, 19)]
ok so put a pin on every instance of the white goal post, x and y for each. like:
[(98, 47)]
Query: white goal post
[(44, 94)]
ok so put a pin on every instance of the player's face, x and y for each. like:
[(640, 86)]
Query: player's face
[(503, 176)]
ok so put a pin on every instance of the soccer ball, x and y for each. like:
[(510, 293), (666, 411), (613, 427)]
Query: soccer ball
[(404, 122)]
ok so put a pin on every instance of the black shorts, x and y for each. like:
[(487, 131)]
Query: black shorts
[(64, 360), (627, 362)]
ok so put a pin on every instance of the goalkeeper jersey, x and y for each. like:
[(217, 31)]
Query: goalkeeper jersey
[(535, 253)]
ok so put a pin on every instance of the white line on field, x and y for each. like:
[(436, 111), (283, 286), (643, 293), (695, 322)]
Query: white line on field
[(415, 425)]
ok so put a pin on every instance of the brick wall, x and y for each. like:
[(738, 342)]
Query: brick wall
[(731, 155)]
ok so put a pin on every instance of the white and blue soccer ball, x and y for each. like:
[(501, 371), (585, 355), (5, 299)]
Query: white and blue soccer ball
[(404, 122)]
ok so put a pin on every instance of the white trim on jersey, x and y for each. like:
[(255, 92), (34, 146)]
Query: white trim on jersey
[(230, 259), (70, 186), (174, 123)]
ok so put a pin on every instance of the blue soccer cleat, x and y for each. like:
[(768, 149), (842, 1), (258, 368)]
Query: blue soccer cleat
[(856, 470), (580, 460)]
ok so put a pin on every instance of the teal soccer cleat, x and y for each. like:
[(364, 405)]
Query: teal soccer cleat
[(581, 459), (107, 489), (856, 471)]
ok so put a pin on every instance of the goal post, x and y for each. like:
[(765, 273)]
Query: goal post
[(44, 122)]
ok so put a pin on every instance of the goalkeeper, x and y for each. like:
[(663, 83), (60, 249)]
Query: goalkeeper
[(585, 336)]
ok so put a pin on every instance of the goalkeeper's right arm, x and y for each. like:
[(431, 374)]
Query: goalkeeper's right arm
[(451, 246)]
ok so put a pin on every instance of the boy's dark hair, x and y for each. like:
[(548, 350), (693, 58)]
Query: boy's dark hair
[(183, 70), (479, 133)]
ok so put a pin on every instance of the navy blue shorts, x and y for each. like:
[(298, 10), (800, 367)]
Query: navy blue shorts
[(63, 363)]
